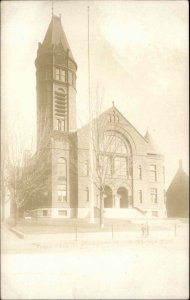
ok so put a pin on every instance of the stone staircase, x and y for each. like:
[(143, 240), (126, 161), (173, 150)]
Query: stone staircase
[(125, 213)]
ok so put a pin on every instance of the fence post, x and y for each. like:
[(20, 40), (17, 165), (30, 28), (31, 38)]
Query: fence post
[(175, 229), (76, 233), (112, 231)]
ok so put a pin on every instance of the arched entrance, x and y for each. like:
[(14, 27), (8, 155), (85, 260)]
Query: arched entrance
[(123, 195), (108, 199)]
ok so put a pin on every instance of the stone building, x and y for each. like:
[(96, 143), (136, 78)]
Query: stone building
[(133, 168), (177, 195)]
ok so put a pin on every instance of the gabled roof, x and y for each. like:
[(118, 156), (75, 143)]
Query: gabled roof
[(55, 36), (152, 148), (180, 178), (110, 111)]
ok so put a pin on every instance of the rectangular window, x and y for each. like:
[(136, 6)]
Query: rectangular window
[(45, 213), (86, 168), (60, 125), (62, 193), (62, 75), (87, 194), (140, 196), (140, 172), (153, 173), (57, 73), (62, 212), (153, 195)]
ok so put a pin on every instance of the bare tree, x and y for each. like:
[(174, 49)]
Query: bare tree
[(24, 175), (106, 147)]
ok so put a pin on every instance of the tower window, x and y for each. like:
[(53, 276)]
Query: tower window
[(57, 74), (60, 125), (60, 74)]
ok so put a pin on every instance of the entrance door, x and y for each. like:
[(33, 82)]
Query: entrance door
[(123, 194), (108, 200)]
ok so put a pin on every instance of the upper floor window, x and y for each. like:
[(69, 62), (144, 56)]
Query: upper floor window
[(153, 173), (153, 195), (60, 74), (140, 196), (140, 172), (113, 144), (87, 194), (62, 169), (60, 125), (120, 166)]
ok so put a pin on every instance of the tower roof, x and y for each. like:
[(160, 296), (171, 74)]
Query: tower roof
[(55, 36)]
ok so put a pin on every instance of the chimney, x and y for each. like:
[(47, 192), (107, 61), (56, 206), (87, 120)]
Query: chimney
[(180, 164)]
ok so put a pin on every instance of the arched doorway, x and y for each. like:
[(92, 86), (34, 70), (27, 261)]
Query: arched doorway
[(108, 199), (123, 195)]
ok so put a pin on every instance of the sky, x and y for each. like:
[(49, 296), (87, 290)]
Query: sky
[(138, 59)]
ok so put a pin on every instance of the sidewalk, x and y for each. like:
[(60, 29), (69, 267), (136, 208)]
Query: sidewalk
[(12, 243)]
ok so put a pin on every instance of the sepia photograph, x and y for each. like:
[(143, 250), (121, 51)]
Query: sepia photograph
[(94, 149)]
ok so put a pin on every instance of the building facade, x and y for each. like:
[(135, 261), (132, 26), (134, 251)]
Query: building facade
[(121, 163)]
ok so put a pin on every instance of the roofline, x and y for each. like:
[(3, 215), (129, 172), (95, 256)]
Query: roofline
[(122, 116)]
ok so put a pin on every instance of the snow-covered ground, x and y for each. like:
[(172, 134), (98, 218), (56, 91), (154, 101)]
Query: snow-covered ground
[(119, 270)]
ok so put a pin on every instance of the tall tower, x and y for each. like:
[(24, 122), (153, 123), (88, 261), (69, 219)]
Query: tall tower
[(56, 115)]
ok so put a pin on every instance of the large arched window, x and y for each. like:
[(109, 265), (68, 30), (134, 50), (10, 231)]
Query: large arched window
[(115, 155), (113, 144)]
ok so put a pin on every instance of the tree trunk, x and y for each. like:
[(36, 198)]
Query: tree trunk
[(101, 210)]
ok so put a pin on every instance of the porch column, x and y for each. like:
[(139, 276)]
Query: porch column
[(117, 201), (130, 200)]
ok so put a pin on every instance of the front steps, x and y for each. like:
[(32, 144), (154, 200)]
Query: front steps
[(123, 213)]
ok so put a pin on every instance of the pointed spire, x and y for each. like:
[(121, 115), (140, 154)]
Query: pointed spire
[(147, 135), (55, 36), (152, 146), (52, 9)]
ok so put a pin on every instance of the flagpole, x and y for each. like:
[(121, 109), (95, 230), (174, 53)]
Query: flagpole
[(90, 133)]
